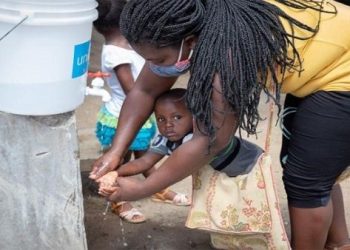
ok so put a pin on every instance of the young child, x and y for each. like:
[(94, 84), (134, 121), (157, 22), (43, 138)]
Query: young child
[(175, 127), (234, 182), (124, 65)]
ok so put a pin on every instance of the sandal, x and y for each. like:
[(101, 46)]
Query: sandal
[(179, 199), (132, 215)]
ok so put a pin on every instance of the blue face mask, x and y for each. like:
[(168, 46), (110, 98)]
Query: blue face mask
[(179, 68)]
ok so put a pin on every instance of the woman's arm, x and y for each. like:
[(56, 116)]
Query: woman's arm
[(188, 158), (136, 109), (140, 165)]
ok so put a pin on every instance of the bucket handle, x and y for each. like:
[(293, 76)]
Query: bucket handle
[(14, 27)]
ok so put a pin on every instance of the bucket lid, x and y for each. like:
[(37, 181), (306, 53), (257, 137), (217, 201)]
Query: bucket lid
[(48, 6), (47, 12)]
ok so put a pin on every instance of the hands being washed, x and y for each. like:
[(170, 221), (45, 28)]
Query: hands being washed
[(106, 163), (107, 183), (116, 188)]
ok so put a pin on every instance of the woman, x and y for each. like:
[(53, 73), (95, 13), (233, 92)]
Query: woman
[(238, 47)]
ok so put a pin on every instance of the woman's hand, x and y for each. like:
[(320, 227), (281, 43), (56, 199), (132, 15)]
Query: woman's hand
[(106, 163), (125, 189), (107, 191)]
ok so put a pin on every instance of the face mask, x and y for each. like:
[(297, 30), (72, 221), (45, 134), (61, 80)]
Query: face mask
[(180, 67)]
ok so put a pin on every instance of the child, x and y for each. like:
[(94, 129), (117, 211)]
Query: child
[(247, 213), (124, 65), (175, 127)]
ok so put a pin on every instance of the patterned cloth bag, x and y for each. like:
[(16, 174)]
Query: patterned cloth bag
[(239, 212)]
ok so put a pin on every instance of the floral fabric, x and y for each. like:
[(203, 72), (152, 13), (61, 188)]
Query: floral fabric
[(240, 212)]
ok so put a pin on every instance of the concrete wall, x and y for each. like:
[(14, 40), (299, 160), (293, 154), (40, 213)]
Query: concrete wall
[(41, 202)]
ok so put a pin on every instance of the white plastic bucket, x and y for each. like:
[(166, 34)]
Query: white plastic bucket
[(44, 60)]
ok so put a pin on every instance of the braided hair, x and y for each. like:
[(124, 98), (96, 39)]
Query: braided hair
[(242, 41), (109, 12)]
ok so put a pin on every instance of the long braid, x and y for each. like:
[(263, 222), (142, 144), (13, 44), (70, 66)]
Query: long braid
[(161, 23), (244, 42)]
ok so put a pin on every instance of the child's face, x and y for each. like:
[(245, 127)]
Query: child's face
[(174, 120)]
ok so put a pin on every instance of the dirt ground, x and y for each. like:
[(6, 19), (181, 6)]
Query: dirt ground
[(164, 228)]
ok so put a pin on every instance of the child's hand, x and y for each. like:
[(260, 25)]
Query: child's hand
[(108, 180), (126, 189)]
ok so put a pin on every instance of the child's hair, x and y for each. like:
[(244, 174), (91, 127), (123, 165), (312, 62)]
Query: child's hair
[(109, 12), (243, 41), (174, 95)]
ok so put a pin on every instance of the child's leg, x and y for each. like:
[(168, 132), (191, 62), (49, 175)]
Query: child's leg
[(138, 154), (167, 195)]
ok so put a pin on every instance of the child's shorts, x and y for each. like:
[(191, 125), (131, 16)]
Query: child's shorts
[(106, 129)]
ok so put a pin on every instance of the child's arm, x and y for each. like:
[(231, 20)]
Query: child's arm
[(140, 165), (124, 75)]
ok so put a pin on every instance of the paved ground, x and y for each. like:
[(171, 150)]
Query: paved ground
[(164, 229)]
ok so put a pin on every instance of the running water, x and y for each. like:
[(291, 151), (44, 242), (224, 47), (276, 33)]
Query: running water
[(106, 209), (125, 244)]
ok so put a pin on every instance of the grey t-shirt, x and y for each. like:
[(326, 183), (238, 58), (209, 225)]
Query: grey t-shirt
[(238, 158)]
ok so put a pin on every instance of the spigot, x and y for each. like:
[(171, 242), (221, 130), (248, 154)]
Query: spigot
[(106, 97), (97, 86)]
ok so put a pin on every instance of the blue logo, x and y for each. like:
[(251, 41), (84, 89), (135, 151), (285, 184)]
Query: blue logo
[(81, 59)]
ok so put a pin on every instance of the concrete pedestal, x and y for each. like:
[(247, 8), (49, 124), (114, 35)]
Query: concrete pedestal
[(41, 202)]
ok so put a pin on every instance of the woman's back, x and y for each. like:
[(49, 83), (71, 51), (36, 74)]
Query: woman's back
[(326, 56)]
